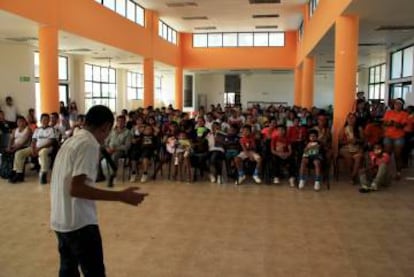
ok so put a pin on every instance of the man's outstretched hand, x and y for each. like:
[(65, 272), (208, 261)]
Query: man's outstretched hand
[(131, 196)]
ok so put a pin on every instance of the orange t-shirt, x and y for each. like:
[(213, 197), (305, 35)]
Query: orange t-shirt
[(400, 117)]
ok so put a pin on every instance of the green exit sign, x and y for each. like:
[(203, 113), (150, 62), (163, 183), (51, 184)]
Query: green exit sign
[(24, 79)]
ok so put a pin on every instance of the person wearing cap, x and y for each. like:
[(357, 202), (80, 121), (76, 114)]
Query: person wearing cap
[(394, 121)]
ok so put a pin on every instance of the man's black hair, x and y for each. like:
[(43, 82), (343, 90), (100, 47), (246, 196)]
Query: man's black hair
[(98, 116), (44, 115), (313, 132)]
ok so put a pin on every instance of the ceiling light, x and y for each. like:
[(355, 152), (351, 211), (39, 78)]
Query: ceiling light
[(206, 28), (194, 17), (264, 1), (265, 15), (181, 4), (395, 28), (267, 27)]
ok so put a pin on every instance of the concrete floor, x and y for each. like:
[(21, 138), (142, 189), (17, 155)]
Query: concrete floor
[(205, 229)]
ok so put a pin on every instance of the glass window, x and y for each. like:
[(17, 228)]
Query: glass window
[(109, 4), (135, 85), (245, 39), (200, 40), (101, 87), (160, 28), (376, 84), (131, 10), (121, 7), (408, 56), (36, 65), (140, 15), (261, 39), (276, 39), (215, 40), (396, 66), (63, 68), (230, 39), (174, 37)]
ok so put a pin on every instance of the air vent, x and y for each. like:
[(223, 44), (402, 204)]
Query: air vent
[(205, 28), (330, 61), (194, 17), (395, 28), (264, 1), (265, 15), (102, 58), (181, 4), (77, 50), (22, 39), (371, 44), (130, 63), (267, 27)]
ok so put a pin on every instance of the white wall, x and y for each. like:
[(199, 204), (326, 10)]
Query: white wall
[(17, 61), (266, 87)]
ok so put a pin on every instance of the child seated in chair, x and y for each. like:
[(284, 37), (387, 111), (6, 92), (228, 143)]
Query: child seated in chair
[(180, 149), (282, 155), (378, 171), (248, 145), (147, 147), (311, 154)]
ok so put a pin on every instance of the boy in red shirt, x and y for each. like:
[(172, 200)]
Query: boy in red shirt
[(378, 170), (248, 145), (282, 156)]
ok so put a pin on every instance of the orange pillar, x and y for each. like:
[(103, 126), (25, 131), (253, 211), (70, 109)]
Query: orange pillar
[(308, 82), (346, 64), (298, 86), (179, 88), (48, 67), (148, 82)]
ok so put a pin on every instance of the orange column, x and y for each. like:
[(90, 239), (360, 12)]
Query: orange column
[(148, 82), (308, 82), (346, 64), (179, 88), (298, 86), (48, 67)]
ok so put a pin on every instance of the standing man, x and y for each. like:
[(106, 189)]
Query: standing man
[(10, 112), (73, 211)]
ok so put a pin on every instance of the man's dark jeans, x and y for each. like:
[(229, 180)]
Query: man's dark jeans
[(82, 248)]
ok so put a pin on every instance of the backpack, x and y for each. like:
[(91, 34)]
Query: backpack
[(6, 166)]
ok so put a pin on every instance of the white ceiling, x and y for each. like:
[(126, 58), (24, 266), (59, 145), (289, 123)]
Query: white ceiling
[(227, 15)]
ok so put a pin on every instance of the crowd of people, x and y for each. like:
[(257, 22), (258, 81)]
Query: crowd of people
[(267, 143)]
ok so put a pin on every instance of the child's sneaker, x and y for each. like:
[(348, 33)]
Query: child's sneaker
[(276, 180), (219, 179), (292, 182), (257, 179), (317, 186), (212, 178), (374, 186), (241, 179), (133, 178), (301, 184), (144, 178)]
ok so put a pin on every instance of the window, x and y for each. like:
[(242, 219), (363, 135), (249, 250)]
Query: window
[(230, 39), (312, 7), (126, 8), (158, 87), (376, 84), (229, 99), (232, 87), (166, 32), (402, 63), (100, 86), (135, 88), (200, 40), (259, 39), (400, 90)]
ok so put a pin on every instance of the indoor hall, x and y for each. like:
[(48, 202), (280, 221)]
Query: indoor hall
[(145, 52)]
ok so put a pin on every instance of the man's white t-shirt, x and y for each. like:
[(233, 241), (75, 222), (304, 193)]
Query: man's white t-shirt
[(43, 136), (10, 113), (79, 155)]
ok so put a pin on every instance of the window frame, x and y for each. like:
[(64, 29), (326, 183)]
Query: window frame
[(279, 42), (100, 83), (401, 65), (136, 7), (375, 83), (170, 34), (138, 89)]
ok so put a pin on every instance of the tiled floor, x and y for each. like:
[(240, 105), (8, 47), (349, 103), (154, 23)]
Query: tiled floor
[(205, 229)]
